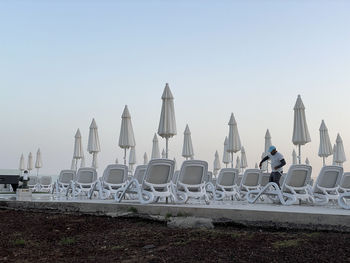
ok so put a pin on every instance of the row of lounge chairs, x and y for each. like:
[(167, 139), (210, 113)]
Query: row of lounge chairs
[(40, 183), (158, 180)]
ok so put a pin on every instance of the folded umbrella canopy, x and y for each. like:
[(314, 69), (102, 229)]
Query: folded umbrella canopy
[(22, 165), (93, 143), (238, 163), (167, 123), (294, 157), (268, 143), (126, 136), (256, 166), (244, 163), (187, 148), (155, 148), (234, 142), (340, 153), (307, 161), (216, 166), (78, 153), (334, 155), (301, 134), (175, 164), (38, 161), (226, 156), (145, 158), (116, 161), (30, 162), (73, 165), (325, 148), (132, 158)]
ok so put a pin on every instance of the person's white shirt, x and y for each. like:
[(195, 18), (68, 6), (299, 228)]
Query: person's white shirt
[(276, 161)]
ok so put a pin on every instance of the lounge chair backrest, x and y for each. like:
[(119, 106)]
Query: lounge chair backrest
[(66, 176), (159, 171), (298, 175), (251, 177), (33, 180), (140, 172), (345, 181), (115, 174), (329, 177), (86, 175), (45, 180), (176, 176), (193, 172), (227, 176)]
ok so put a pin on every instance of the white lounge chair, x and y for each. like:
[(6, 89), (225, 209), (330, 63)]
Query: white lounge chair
[(33, 183), (191, 182), (84, 181), (295, 187), (250, 181), (45, 183), (114, 177), (140, 172), (327, 183), (156, 184), (344, 191), (64, 181), (226, 184)]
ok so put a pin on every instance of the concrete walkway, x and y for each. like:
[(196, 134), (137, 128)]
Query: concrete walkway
[(329, 217)]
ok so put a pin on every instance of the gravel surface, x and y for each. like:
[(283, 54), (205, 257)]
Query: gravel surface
[(42, 237)]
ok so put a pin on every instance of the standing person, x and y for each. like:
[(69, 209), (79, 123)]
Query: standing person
[(277, 162)]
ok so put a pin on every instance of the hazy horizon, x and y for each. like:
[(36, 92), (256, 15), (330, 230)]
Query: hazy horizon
[(66, 62)]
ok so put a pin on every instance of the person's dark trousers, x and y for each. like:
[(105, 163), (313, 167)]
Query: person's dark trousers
[(275, 177)]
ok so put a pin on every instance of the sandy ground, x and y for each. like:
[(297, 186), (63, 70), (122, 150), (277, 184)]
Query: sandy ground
[(41, 237)]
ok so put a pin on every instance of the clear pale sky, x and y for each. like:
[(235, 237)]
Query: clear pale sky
[(63, 63)]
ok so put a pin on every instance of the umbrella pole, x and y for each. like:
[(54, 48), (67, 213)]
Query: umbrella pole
[(76, 164), (232, 160), (166, 147), (37, 172), (124, 156), (324, 161), (299, 154)]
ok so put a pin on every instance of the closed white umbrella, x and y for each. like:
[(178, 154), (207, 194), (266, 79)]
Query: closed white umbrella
[(145, 158), (301, 134), (226, 156), (216, 166), (340, 153), (268, 143), (307, 161), (73, 165), (116, 160), (187, 148), (93, 143), (238, 163), (126, 136), (256, 166), (264, 164), (167, 123), (163, 154), (132, 158), (234, 142), (38, 161), (244, 163), (294, 157), (82, 162), (155, 148), (325, 148), (22, 165), (78, 152), (30, 162), (334, 155)]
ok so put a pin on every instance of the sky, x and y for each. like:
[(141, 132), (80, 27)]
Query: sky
[(63, 63)]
